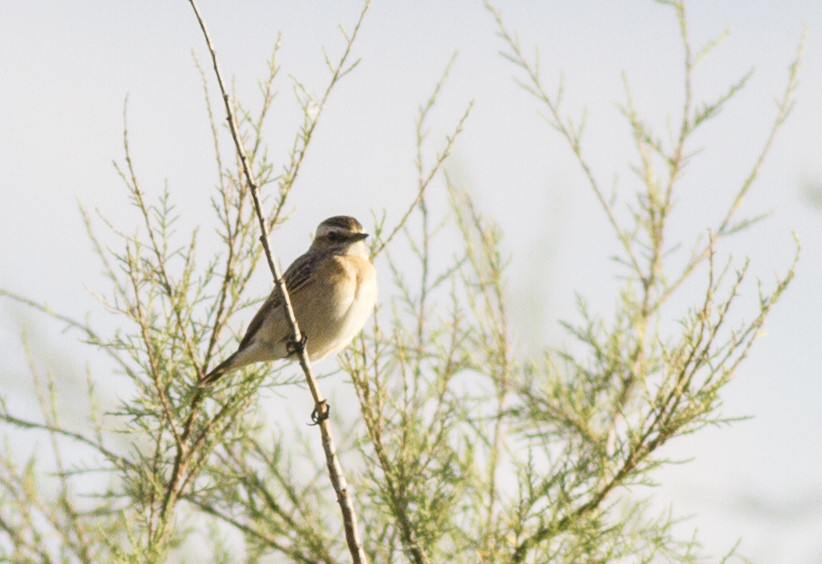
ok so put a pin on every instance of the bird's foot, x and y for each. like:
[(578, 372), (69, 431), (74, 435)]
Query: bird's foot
[(321, 413), (296, 347)]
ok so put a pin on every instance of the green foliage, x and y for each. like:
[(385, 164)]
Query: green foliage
[(461, 451)]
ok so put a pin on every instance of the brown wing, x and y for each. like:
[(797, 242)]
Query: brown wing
[(297, 278)]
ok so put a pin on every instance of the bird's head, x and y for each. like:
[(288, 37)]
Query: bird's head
[(340, 232)]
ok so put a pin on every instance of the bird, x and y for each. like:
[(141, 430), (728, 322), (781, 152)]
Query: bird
[(333, 290)]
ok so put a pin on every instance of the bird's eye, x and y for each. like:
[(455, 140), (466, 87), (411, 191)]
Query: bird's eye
[(334, 236)]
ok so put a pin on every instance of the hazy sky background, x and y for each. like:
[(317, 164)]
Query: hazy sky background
[(66, 68)]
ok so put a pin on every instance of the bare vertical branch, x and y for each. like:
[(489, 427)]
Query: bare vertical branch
[(321, 408)]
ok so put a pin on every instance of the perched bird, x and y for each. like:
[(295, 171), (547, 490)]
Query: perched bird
[(333, 289)]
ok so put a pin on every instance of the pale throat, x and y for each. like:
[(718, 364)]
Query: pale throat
[(358, 249)]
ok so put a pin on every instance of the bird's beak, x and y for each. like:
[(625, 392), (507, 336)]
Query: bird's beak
[(358, 237)]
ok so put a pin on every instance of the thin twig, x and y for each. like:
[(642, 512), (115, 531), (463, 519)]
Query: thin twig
[(784, 107), (572, 134), (116, 458), (304, 138), (449, 145), (334, 468), (165, 280)]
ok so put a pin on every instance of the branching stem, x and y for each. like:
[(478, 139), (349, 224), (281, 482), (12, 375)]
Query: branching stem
[(335, 470)]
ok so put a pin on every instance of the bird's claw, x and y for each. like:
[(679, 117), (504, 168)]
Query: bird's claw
[(321, 413), (294, 346)]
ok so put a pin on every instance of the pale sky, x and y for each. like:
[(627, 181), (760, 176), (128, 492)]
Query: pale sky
[(66, 69)]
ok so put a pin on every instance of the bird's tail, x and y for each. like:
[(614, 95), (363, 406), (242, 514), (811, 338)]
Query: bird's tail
[(223, 368)]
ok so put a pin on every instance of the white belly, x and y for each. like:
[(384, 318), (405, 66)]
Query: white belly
[(350, 312)]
